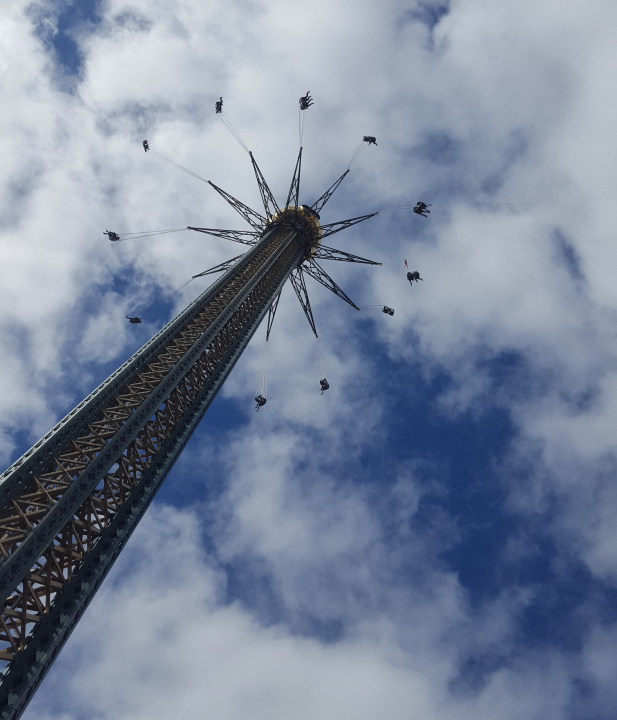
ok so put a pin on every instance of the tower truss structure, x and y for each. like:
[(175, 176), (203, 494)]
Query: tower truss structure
[(69, 504)]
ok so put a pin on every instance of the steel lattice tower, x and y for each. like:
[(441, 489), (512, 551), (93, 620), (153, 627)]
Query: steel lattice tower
[(69, 504)]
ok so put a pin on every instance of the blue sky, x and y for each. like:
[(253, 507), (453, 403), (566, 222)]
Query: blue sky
[(431, 538)]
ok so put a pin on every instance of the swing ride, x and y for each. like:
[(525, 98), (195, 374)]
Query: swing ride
[(304, 219)]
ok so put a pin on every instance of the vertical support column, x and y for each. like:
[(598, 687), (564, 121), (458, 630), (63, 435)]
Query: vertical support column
[(108, 481)]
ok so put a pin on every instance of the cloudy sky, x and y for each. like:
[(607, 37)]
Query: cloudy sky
[(434, 537)]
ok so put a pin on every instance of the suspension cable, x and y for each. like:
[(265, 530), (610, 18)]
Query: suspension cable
[(354, 158), (264, 376), (301, 124), (402, 210), (180, 288), (320, 362), (168, 160), (361, 149), (394, 269), (144, 233), (229, 124)]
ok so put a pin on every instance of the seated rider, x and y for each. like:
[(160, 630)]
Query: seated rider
[(261, 401), (219, 105), (133, 320), (387, 310), (112, 235), (306, 101), (370, 139), (415, 275), (421, 208), (325, 385), (146, 146)]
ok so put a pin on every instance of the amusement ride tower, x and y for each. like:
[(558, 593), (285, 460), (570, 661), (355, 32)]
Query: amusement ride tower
[(69, 504)]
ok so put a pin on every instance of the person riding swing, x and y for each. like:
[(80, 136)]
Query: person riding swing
[(415, 275), (306, 101), (421, 208)]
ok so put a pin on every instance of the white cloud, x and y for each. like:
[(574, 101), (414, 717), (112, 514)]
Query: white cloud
[(158, 640), (503, 118)]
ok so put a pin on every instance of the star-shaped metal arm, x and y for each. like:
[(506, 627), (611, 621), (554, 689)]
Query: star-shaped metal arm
[(335, 227), (294, 189), (319, 204), (327, 253), (252, 218), (270, 206), (299, 285), (272, 313), (319, 274), (219, 268), (246, 237)]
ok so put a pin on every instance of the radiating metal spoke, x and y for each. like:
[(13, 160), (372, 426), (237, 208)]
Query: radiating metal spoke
[(335, 227), (252, 218), (245, 237), (322, 277), (319, 204), (294, 190), (299, 285), (219, 268), (327, 253), (272, 313), (270, 205)]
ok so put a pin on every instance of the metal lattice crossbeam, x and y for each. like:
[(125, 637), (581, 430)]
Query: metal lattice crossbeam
[(31, 519), (215, 338)]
